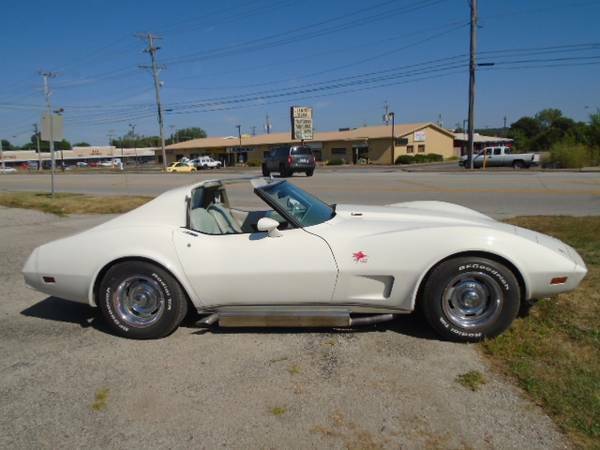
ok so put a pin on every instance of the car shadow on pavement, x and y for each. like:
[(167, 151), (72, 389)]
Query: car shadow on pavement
[(61, 310), (412, 325)]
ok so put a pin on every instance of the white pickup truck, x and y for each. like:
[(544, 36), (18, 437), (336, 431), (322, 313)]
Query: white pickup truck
[(501, 156), (206, 162)]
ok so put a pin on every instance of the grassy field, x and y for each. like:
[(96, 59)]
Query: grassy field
[(63, 204), (554, 352)]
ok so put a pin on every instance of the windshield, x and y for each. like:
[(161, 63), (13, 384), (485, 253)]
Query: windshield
[(302, 206)]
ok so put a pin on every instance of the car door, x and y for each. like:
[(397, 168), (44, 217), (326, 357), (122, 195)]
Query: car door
[(255, 269)]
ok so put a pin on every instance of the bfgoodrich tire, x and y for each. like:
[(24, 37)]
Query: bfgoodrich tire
[(139, 300), (469, 299)]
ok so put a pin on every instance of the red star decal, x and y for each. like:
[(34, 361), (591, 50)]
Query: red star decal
[(359, 256)]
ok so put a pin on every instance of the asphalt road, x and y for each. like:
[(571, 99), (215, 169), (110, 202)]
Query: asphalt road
[(67, 383), (500, 194)]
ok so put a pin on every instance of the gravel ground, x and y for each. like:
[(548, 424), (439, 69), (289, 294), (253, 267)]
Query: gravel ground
[(66, 383)]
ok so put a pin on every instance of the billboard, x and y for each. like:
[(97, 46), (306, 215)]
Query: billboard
[(58, 133), (302, 123)]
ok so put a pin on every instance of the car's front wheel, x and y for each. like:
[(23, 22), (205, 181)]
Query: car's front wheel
[(140, 300), (468, 299)]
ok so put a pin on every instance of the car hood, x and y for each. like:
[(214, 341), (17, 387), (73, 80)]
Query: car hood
[(422, 212)]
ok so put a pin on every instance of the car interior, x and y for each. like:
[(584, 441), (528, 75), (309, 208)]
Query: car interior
[(211, 213)]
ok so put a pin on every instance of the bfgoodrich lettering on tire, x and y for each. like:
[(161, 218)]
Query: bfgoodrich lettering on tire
[(140, 300), (468, 299)]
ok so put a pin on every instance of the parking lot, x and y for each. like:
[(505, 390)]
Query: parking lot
[(69, 383), (499, 194)]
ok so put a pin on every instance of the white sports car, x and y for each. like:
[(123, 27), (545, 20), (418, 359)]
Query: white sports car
[(298, 261)]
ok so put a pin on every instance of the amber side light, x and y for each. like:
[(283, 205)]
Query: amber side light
[(558, 280)]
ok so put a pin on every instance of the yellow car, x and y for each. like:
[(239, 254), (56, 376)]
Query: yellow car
[(180, 168)]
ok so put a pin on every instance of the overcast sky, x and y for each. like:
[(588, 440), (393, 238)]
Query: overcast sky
[(232, 62)]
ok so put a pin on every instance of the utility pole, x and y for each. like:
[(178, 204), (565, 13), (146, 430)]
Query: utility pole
[(111, 133), (173, 137), (267, 125), (47, 94), (2, 165), (505, 123), (393, 116), (37, 145), (156, 68), (472, 69), (386, 109), (134, 137), (253, 130)]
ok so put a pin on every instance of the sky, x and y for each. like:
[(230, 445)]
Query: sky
[(233, 62)]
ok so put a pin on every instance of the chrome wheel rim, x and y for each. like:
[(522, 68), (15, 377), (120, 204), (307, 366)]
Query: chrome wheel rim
[(139, 301), (472, 299)]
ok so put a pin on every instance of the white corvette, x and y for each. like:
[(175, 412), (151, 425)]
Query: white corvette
[(300, 262)]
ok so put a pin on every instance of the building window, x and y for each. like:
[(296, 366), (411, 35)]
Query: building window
[(421, 149), (410, 149), (338, 151), (401, 141)]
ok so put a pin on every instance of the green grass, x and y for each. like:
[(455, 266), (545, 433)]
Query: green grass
[(100, 400), (278, 411), (554, 352), (472, 380), (63, 204)]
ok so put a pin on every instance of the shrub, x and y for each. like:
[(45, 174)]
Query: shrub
[(569, 155), (405, 159), (336, 162), (253, 163), (428, 157)]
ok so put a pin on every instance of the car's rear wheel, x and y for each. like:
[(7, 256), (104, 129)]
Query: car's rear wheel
[(140, 300), (468, 299), (266, 172), (309, 173), (283, 172)]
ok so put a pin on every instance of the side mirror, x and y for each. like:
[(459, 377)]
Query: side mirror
[(270, 226)]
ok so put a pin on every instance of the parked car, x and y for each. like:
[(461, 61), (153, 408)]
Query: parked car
[(288, 159), (501, 157), (81, 164), (179, 167), (7, 169), (206, 162), (298, 261)]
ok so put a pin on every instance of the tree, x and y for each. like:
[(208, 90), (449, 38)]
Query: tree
[(186, 134), (81, 144), (547, 117), (6, 145), (528, 126)]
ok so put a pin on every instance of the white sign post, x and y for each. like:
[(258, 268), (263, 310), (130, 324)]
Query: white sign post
[(302, 123)]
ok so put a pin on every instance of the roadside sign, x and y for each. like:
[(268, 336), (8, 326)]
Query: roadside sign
[(302, 123), (58, 133)]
